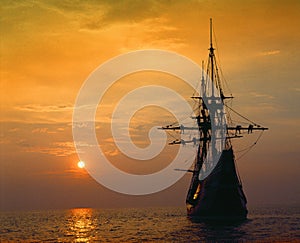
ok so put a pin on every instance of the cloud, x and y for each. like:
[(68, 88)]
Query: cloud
[(112, 152), (59, 149), (44, 108), (41, 130), (122, 11), (90, 15), (46, 138), (261, 95), (269, 53), (15, 129), (37, 114), (72, 173), (24, 143), (154, 32)]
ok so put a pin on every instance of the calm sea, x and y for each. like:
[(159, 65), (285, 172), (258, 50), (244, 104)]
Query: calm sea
[(265, 224)]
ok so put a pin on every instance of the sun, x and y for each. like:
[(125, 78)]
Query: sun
[(81, 164)]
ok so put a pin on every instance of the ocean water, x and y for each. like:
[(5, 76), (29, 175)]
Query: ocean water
[(264, 224)]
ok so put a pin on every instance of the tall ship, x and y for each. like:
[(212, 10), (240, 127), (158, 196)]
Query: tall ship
[(215, 190)]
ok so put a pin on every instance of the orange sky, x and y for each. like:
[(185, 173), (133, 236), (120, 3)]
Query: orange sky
[(48, 49)]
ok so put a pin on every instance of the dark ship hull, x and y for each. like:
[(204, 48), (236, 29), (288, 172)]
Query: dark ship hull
[(220, 195)]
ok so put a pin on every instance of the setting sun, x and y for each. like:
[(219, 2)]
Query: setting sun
[(81, 164)]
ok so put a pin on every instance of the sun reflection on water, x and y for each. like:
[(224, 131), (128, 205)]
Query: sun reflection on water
[(82, 224)]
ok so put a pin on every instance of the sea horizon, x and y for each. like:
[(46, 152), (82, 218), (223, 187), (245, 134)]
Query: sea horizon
[(249, 206)]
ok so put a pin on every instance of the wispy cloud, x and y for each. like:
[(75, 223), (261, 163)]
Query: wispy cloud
[(122, 11), (59, 149), (112, 152), (46, 138), (40, 130), (44, 108), (38, 114), (269, 53), (261, 95), (73, 173)]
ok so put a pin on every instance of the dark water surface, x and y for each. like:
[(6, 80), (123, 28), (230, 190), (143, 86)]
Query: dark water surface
[(265, 224)]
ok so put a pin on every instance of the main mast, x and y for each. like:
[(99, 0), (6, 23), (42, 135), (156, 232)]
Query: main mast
[(212, 67), (211, 57)]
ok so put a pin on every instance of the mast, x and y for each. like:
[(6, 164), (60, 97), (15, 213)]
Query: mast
[(210, 31), (214, 75), (202, 80), (211, 58)]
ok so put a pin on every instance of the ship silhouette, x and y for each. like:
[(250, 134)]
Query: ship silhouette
[(215, 190)]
